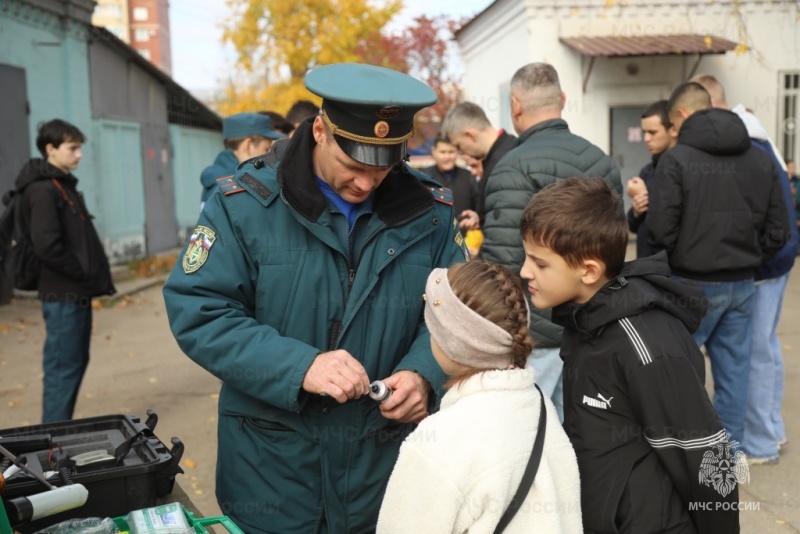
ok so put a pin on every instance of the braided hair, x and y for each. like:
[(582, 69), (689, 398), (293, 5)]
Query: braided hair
[(493, 292)]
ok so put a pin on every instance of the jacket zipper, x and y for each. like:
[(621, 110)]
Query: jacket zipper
[(336, 327)]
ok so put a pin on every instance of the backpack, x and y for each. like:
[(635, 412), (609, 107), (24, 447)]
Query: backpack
[(18, 262), (17, 259)]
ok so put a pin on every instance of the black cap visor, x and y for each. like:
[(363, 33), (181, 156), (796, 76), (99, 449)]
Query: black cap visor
[(374, 155)]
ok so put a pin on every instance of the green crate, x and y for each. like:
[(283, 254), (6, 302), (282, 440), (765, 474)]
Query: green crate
[(198, 523)]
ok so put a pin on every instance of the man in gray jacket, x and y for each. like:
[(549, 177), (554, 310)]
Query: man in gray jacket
[(547, 152)]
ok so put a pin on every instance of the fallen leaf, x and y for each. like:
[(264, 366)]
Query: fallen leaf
[(188, 462), (214, 395), (198, 492)]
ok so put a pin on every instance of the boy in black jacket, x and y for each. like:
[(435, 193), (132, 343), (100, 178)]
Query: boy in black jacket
[(74, 267), (652, 453)]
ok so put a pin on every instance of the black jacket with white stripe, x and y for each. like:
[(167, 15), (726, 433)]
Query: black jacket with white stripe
[(652, 453)]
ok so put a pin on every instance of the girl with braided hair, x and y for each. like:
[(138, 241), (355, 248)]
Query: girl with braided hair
[(461, 468)]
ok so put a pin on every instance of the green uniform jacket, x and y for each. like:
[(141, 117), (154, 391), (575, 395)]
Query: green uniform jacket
[(274, 290), (546, 152)]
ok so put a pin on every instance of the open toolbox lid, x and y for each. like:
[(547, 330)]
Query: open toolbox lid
[(116, 457)]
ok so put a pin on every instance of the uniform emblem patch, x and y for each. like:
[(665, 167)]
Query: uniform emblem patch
[(459, 239), (200, 244)]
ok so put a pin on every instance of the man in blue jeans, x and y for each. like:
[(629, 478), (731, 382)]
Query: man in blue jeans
[(718, 224), (764, 433), (74, 267)]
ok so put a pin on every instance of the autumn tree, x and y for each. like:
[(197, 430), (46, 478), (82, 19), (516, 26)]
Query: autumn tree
[(278, 41), (426, 44), (424, 50)]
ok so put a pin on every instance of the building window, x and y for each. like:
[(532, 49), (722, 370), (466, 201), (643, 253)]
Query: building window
[(140, 14), (145, 53), (108, 11), (789, 113), (141, 35)]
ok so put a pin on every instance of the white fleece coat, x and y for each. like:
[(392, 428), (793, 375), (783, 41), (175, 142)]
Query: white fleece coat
[(458, 471)]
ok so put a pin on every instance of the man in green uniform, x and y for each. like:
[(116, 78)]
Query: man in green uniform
[(303, 283), (246, 135)]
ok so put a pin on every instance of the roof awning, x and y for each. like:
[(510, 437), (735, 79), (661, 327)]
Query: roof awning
[(647, 45)]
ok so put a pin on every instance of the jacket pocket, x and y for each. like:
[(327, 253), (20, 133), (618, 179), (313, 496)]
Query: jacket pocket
[(615, 511), (263, 424)]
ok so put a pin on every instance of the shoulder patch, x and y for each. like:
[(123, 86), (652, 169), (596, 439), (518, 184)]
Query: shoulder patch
[(228, 186), (200, 244), (442, 194), (257, 187)]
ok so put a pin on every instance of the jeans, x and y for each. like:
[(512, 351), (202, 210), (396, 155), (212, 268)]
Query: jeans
[(727, 334), (763, 426), (549, 375), (68, 327)]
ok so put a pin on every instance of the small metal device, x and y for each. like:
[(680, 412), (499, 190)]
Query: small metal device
[(379, 392)]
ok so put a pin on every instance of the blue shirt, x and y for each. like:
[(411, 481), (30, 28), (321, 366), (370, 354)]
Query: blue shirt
[(349, 209)]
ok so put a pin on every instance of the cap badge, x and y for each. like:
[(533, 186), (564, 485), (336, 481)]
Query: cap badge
[(388, 112), (381, 129)]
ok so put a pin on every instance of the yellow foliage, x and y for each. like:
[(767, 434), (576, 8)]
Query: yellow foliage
[(273, 97), (278, 41)]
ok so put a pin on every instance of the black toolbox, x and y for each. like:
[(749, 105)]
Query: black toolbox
[(121, 462)]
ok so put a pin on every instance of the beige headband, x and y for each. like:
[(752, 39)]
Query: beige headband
[(462, 333)]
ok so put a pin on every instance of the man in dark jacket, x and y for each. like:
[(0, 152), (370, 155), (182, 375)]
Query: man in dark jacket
[(547, 152), (652, 454), (468, 128), (74, 267), (659, 137), (764, 432), (303, 283), (718, 225)]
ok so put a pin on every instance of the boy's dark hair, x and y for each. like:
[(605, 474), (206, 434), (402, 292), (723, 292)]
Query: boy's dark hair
[(301, 110), (56, 132), (579, 219), (279, 122), (441, 138), (233, 144), (689, 95), (659, 109)]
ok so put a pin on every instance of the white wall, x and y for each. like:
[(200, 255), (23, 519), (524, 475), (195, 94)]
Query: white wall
[(496, 45)]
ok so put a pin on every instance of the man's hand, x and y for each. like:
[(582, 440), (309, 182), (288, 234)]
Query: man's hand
[(636, 186), (469, 221), (409, 400), (338, 375), (640, 204)]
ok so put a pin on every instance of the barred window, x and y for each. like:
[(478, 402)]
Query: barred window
[(788, 113)]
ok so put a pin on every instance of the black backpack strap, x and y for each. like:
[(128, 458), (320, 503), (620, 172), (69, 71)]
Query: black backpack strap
[(530, 470)]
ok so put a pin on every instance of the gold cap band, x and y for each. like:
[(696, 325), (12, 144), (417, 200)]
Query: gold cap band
[(362, 138)]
